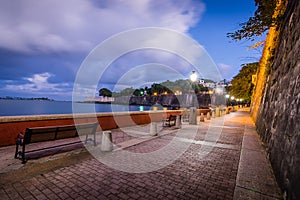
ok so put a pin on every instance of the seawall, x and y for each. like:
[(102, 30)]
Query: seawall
[(12, 125)]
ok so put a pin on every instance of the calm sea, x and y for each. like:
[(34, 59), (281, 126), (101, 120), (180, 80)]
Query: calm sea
[(39, 107)]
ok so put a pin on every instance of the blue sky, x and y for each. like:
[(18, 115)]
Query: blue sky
[(43, 43)]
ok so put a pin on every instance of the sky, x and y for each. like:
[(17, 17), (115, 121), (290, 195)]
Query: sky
[(45, 44)]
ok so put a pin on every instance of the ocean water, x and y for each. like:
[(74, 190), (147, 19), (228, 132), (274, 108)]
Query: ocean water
[(42, 107)]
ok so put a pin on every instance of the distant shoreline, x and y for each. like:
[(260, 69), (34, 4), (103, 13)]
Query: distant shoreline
[(26, 98)]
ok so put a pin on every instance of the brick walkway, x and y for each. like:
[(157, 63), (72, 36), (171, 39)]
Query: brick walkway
[(221, 174)]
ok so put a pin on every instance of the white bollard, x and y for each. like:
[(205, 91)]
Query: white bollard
[(213, 114), (106, 144), (208, 116), (178, 121), (153, 129), (193, 116), (201, 117), (217, 112)]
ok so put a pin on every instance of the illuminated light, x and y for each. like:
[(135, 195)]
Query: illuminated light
[(232, 98), (155, 93), (227, 96), (193, 76), (165, 92), (141, 108), (178, 92)]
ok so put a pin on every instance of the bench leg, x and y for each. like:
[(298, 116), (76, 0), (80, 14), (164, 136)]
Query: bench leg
[(93, 140), (166, 123), (17, 149), (86, 138), (23, 155)]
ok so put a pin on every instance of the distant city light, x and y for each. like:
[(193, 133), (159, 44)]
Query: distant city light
[(141, 108)]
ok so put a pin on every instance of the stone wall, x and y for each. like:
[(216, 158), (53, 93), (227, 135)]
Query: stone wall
[(278, 119)]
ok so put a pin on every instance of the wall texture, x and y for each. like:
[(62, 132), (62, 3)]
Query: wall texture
[(278, 117)]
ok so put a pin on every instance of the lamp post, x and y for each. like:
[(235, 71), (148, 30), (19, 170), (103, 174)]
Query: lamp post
[(232, 98), (193, 109), (227, 99)]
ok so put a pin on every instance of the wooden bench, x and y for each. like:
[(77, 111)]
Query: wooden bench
[(171, 121), (52, 133)]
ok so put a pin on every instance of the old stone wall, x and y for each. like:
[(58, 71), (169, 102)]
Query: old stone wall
[(278, 119)]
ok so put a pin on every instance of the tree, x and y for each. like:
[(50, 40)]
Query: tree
[(139, 92), (262, 20), (126, 92), (242, 83), (105, 92)]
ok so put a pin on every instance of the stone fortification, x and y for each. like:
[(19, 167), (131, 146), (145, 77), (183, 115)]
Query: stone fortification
[(277, 117)]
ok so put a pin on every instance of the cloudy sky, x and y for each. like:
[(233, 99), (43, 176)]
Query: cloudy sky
[(43, 44)]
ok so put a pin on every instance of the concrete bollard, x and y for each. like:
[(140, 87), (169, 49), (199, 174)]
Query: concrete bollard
[(178, 121), (208, 116), (213, 114), (201, 117), (153, 129), (233, 109), (193, 116), (106, 144), (217, 112), (227, 110)]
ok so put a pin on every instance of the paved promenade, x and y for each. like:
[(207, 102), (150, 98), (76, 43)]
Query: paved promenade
[(222, 159)]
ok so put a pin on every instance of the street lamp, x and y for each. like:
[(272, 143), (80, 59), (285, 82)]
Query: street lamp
[(193, 76), (227, 99)]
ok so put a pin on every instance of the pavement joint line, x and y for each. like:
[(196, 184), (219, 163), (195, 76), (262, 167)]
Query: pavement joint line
[(201, 142), (135, 132), (259, 192), (255, 150), (141, 140), (237, 127), (209, 143)]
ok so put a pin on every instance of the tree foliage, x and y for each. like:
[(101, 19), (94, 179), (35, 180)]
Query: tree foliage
[(262, 20), (125, 92), (167, 87), (242, 83), (105, 92)]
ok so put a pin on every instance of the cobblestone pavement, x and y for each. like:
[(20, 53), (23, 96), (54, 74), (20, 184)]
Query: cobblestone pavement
[(206, 170)]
